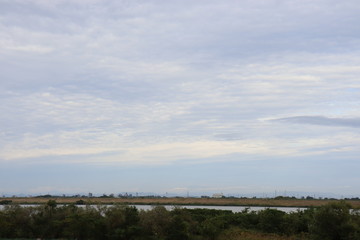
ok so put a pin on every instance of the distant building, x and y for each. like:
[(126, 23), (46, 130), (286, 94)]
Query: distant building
[(218, 195), (90, 195)]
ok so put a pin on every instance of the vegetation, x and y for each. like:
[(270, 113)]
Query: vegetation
[(279, 201), (334, 221)]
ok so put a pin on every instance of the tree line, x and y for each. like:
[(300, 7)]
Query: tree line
[(335, 221)]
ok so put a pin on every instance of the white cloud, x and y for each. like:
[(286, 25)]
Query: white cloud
[(29, 48), (166, 81), (107, 148)]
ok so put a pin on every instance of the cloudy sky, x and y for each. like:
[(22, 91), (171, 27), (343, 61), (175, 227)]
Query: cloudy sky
[(110, 96)]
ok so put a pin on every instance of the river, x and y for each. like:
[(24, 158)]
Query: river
[(234, 209)]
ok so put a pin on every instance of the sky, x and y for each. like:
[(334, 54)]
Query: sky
[(185, 97)]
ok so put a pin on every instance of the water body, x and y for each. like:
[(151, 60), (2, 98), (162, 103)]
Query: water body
[(234, 209)]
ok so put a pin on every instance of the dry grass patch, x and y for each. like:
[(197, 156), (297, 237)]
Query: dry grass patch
[(187, 201)]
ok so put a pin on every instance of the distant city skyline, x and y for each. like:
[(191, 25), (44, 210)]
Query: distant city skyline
[(159, 96)]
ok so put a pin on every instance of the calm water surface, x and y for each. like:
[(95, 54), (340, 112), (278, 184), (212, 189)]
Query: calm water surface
[(234, 209)]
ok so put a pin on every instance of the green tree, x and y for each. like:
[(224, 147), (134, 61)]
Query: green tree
[(122, 222), (83, 223), (178, 229), (335, 222), (15, 222), (271, 221), (154, 222)]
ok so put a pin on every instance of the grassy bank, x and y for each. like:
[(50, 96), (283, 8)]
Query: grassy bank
[(186, 201)]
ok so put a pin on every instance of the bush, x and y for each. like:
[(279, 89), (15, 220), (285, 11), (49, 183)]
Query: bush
[(271, 221), (335, 222)]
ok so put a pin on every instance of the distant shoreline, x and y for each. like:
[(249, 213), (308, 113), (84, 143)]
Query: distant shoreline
[(261, 202)]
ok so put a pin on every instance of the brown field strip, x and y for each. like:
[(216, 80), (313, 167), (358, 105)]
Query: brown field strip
[(186, 201)]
